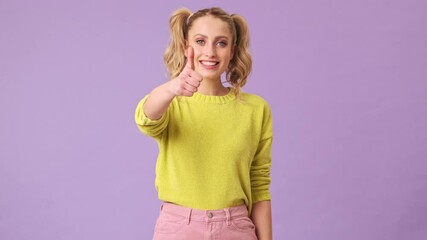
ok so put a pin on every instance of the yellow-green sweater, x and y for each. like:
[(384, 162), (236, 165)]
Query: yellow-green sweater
[(214, 151)]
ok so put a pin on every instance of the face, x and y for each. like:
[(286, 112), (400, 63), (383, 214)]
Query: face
[(211, 40)]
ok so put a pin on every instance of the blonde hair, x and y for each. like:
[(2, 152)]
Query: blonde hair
[(180, 23)]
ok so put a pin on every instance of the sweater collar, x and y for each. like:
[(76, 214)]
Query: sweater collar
[(230, 96)]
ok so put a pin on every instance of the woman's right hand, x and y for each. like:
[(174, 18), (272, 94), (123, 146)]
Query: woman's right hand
[(188, 81)]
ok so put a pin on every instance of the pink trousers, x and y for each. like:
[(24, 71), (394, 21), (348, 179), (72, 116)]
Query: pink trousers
[(181, 223)]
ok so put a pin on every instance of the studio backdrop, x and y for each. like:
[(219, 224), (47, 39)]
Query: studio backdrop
[(346, 82)]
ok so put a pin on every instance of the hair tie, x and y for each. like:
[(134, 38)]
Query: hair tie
[(188, 19)]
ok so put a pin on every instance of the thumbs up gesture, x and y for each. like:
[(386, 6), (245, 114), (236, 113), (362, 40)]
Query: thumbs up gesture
[(188, 80)]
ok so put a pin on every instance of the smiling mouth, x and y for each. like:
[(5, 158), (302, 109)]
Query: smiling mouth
[(209, 63)]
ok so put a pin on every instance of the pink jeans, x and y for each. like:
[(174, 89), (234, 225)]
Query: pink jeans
[(181, 223)]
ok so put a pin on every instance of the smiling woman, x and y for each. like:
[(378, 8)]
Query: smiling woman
[(213, 168)]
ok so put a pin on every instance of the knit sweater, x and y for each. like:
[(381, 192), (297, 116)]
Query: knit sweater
[(214, 151)]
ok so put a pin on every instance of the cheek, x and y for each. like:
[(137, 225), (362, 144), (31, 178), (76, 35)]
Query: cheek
[(226, 55), (197, 51), (197, 55)]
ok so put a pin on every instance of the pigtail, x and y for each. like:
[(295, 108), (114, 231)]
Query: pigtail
[(241, 64), (174, 56)]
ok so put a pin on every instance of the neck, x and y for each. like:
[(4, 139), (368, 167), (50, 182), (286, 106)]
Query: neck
[(212, 87)]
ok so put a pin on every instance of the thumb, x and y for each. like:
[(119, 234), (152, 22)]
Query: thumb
[(190, 57)]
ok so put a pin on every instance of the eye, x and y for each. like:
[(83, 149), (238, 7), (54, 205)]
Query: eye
[(200, 42), (222, 43)]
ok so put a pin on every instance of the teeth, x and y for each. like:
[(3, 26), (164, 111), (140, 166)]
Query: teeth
[(209, 63)]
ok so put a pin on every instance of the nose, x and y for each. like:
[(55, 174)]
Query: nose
[(210, 50)]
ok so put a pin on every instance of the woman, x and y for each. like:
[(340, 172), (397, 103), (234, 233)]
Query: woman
[(213, 168)]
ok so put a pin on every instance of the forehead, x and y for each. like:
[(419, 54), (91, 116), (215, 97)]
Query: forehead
[(209, 26)]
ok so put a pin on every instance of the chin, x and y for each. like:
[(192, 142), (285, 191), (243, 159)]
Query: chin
[(210, 76)]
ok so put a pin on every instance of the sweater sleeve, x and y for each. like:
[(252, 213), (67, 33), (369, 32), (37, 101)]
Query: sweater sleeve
[(152, 128), (261, 164)]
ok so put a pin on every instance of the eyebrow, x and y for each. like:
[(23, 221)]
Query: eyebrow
[(199, 34)]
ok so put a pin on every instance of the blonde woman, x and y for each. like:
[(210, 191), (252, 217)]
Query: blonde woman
[(213, 167)]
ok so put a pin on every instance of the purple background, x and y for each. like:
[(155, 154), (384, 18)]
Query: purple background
[(346, 81)]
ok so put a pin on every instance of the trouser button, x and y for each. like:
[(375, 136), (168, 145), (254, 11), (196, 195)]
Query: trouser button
[(210, 215)]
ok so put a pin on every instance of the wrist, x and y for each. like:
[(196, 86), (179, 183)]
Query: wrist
[(168, 89)]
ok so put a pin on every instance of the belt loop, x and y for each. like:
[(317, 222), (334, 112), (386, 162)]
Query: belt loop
[(188, 217), (227, 214), (161, 207), (206, 219)]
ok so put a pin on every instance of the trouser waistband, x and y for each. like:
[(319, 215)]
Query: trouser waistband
[(191, 214)]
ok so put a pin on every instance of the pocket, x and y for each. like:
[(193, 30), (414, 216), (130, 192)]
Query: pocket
[(168, 224), (243, 224)]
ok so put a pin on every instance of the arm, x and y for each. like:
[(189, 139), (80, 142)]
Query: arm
[(260, 180), (158, 101), (185, 84), (261, 216)]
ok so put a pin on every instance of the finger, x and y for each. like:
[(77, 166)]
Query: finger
[(193, 82), (187, 72), (190, 88), (190, 57), (185, 92), (197, 76)]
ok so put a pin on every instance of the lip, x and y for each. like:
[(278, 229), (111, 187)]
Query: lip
[(209, 64)]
